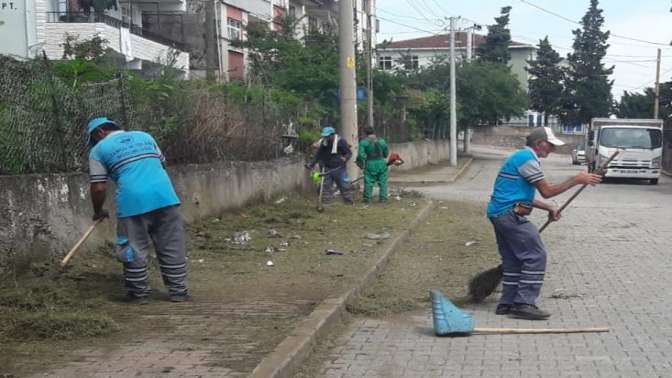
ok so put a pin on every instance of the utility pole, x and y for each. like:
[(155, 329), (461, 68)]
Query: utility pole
[(369, 63), (467, 129), (210, 52), (347, 65), (453, 112), (656, 102)]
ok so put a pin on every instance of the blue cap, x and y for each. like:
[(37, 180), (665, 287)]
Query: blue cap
[(96, 123), (328, 131)]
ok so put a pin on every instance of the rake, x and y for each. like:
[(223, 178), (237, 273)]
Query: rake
[(449, 320)]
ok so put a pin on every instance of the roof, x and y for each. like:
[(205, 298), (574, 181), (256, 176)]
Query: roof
[(442, 41)]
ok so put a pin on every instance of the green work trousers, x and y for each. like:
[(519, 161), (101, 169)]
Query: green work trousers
[(376, 172)]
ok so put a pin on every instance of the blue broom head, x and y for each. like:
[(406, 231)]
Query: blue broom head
[(448, 319)]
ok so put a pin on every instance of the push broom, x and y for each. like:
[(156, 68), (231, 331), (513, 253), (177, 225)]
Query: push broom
[(485, 283)]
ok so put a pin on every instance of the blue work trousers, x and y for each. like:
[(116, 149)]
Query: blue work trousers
[(523, 258)]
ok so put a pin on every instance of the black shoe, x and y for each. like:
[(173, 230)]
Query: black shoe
[(528, 312), (503, 309), (134, 299), (180, 298)]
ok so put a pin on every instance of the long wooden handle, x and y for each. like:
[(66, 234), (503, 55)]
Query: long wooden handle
[(319, 197), (576, 194), (79, 243), (511, 331)]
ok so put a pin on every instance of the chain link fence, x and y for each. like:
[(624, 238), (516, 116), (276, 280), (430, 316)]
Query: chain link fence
[(43, 118)]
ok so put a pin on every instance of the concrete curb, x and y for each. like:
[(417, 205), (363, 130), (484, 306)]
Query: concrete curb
[(295, 348), (666, 173), (451, 180)]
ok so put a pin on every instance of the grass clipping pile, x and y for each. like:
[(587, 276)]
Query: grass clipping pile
[(41, 304), (452, 245)]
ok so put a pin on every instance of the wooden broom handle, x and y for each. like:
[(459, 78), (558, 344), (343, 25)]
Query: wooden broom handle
[(79, 243), (576, 194), (512, 331)]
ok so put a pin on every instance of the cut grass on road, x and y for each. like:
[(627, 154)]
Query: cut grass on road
[(242, 308)]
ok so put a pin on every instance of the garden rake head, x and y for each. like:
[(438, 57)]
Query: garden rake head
[(449, 320)]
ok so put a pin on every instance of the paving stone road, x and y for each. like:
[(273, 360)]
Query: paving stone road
[(610, 264)]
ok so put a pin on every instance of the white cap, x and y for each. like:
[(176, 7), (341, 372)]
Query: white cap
[(544, 133)]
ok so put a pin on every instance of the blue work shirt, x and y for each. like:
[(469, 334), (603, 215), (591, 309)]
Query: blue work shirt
[(135, 163), (515, 182)]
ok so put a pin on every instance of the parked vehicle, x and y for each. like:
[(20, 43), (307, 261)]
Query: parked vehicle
[(579, 154), (639, 140)]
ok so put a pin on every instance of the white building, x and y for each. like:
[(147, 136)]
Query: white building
[(31, 26)]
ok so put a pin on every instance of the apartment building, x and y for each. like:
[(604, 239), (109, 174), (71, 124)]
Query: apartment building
[(33, 26)]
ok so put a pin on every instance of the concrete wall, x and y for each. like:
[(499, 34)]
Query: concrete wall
[(514, 137), (418, 154), (44, 215)]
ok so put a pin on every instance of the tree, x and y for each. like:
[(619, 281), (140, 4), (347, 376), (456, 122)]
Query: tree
[(488, 93), (307, 67), (496, 46), (640, 105), (588, 88), (546, 84)]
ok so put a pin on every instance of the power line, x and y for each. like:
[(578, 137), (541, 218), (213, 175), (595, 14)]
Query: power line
[(390, 14), (578, 23), (410, 27)]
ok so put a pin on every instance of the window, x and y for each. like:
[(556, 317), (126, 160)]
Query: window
[(312, 24), (234, 26), (125, 15), (385, 63), (410, 62)]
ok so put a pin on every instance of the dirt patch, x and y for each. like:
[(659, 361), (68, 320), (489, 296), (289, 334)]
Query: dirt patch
[(453, 244), (243, 307)]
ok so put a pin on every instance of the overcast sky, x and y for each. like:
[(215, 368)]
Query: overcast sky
[(647, 20)]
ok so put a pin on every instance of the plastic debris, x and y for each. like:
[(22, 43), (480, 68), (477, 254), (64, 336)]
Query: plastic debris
[(297, 237), (273, 234), (398, 198), (281, 200), (284, 244), (216, 220), (383, 236), (201, 261), (269, 263), (412, 204), (333, 252), (269, 249), (470, 243), (241, 238)]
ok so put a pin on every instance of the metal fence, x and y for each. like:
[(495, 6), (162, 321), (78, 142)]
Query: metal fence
[(43, 119)]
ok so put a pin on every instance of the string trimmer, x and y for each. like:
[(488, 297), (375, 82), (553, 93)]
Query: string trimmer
[(485, 283)]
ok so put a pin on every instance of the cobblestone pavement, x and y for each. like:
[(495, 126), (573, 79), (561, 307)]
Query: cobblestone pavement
[(203, 339), (610, 263)]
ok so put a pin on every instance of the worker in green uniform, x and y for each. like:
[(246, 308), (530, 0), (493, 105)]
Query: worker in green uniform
[(371, 158)]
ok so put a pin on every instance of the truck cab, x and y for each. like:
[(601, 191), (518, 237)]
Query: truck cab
[(640, 142)]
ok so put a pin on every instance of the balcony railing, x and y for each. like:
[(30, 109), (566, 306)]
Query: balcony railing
[(83, 17)]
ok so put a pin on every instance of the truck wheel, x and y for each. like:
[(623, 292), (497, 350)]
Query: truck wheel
[(653, 181)]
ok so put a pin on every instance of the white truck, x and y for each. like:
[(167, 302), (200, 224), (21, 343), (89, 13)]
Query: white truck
[(639, 140)]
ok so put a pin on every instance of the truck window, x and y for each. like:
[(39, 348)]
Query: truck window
[(630, 138)]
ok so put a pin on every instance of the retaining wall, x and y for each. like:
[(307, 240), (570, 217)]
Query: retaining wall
[(514, 137), (42, 216)]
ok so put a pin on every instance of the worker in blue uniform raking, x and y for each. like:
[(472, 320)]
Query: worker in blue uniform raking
[(147, 207)]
